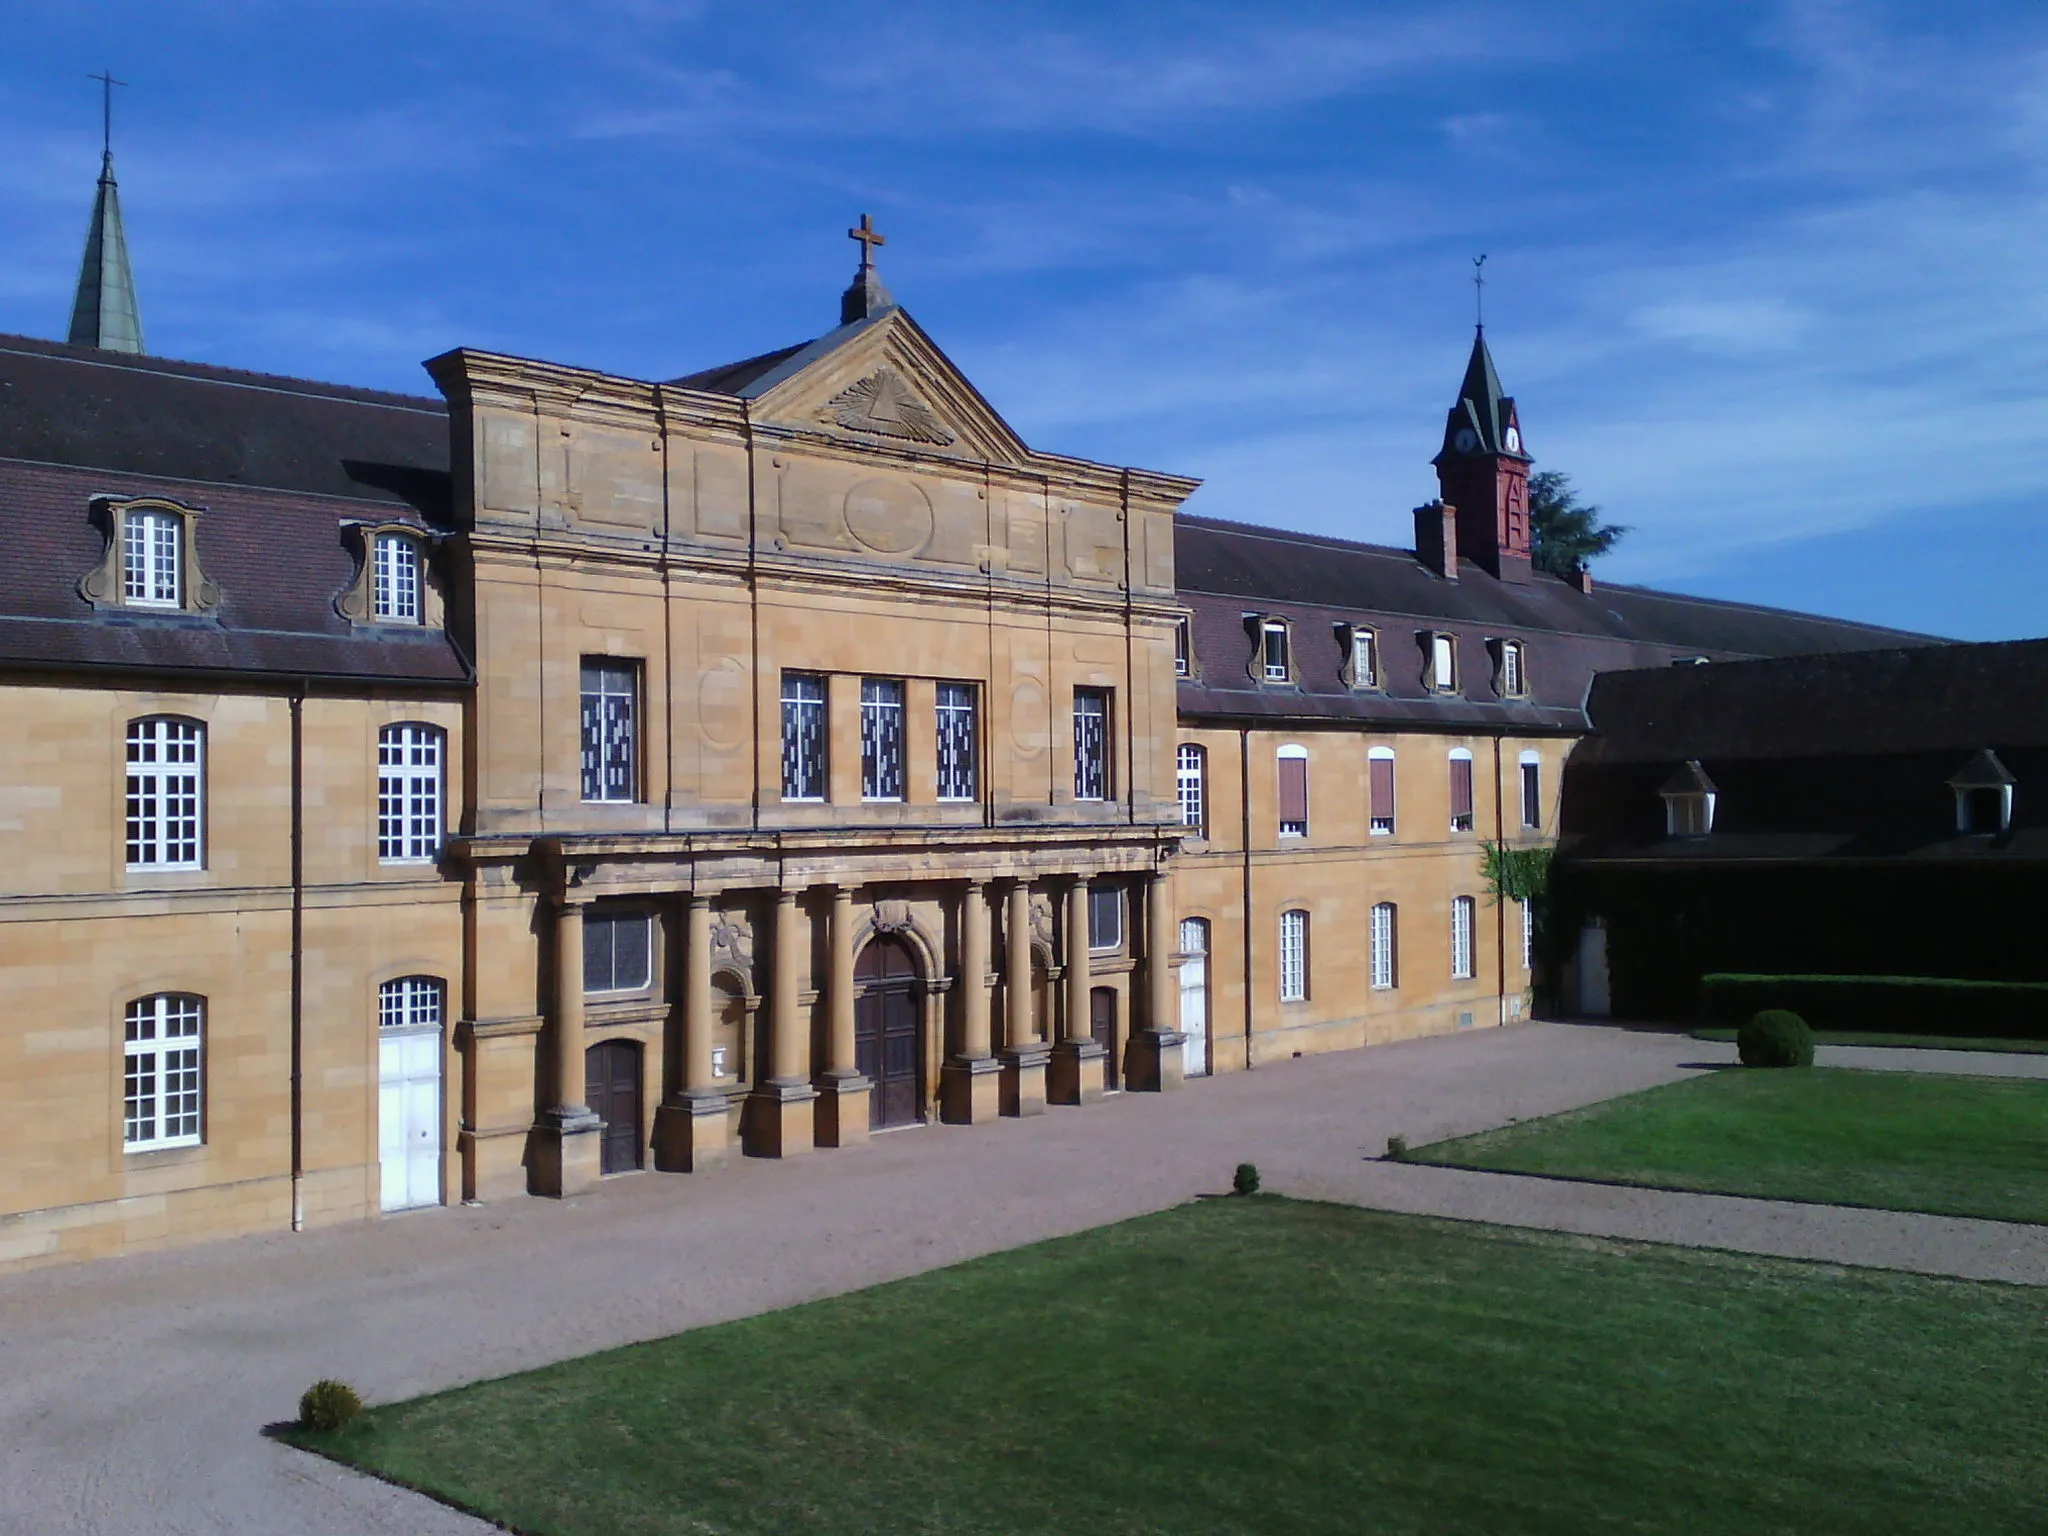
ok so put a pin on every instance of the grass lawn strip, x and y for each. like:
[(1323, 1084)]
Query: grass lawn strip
[(1277, 1367), (1902, 1141), (1900, 1042)]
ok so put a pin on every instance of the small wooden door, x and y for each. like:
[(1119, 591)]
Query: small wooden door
[(1593, 992), (611, 1086), (409, 1117), (1194, 995), (1102, 1025), (886, 1034)]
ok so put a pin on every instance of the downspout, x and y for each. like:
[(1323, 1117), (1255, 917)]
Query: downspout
[(1500, 905), (298, 710), (1244, 801)]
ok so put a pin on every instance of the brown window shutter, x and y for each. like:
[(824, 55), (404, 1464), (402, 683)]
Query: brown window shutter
[(1294, 789), (1461, 786), (1383, 788)]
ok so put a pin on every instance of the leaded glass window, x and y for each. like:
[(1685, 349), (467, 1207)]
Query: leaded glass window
[(803, 736), (163, 1074), (166, 787), (611, 694), (1091, 743), (881, 739), (959, 752)]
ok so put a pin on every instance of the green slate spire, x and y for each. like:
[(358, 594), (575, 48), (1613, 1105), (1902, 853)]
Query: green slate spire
[(104, 314)]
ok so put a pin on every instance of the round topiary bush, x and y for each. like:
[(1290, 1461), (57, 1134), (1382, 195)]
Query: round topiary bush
[(328, 1406), (1777, 1037), (1246, 1181)]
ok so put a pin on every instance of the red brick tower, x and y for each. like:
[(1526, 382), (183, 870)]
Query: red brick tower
[(1484, 472)]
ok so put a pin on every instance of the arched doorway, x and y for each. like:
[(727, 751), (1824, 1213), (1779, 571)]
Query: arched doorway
[(611, 1086), (886, 1034)]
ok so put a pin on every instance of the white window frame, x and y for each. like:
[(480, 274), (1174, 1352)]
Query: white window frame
[(411, 780), (805, 718), (1294, 753), (1386, 973), (957, 711), (1273, 637), (1528, 934), (152, 558), (1529, 770), (1471, 818), (884, 754), (1183, 648), (1689, 815), (1191, 775), (411, 1002), (1443, 662), (1365, 658), (1464, 922), (1378, 825), (395, 585), (164, 1072), (1514, 678), (166, 811), (1294, 955)]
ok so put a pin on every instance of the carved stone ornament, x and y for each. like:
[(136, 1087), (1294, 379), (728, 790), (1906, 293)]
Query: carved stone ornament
[(1041, 920), (732, 946), (883, 404), (892, 917)]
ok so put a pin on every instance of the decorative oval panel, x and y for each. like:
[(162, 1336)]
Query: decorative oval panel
[(1029, 724), (722, 716), (890, 517)]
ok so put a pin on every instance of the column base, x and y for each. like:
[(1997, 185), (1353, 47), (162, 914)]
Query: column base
[(781, 1119), (564, 1155), (841, 1117), (1076, 1072), (1022, 1090), (970, 1090), (1158, 1060), (694, 1133)]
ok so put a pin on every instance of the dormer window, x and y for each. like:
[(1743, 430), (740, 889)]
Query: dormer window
[(1183, 649), (1364, 660), (395, 583), (152, 559), (1273, 655), (1514, 682), (1442, 671), (1983, 790), (1689, 797)]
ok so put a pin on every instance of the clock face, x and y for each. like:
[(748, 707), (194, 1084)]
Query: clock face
[(1466, 440), (1514, 439)]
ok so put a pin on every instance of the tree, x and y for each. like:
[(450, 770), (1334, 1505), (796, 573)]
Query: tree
[(1567, 531)]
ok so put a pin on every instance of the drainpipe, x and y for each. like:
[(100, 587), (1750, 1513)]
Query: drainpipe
[(298, 710), (1244, 801), (1500, 905)]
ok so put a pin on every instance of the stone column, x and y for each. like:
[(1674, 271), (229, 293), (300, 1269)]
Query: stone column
[(1078, 1067), (781, 1123), (1023, 1055), (566, 1144), (842, 1119), (1158, 1062), (693, 1128), (969, 1082)]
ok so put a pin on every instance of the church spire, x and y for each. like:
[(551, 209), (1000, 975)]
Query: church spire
[(1484, 472), (105, 314)]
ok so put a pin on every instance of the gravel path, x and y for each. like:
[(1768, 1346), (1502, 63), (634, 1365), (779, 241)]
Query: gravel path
[(131, 1391)]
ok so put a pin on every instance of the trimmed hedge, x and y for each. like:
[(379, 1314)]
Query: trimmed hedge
[(1907, 1005)]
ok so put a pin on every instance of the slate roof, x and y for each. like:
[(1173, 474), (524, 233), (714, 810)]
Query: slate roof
[(278, 466)]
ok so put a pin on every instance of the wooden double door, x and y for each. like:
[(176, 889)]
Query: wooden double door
[(888, 1033), (611, 1087)]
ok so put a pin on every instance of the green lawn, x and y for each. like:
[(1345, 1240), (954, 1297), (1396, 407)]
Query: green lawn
[(1905, 1141), (1900, 1042), (1266, 1366)]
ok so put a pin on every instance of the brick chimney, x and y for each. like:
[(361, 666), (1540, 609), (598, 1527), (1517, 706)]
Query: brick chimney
[(1436, 538)]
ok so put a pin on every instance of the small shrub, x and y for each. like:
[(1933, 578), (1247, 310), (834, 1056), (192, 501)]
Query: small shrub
[(328, 1406), (1776, 1037), (1246, 1180), (1397, 1148)]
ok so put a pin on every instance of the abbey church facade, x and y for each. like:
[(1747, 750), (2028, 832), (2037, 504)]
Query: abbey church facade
[(418, 799)]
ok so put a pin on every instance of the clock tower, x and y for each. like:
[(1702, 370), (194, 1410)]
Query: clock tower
[(1484, 471)]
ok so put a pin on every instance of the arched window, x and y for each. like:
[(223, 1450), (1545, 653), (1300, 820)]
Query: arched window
[(411, 1002), (1380, 776), (395, 581), (1463, 912), (409, 793), (1293, 785), (1385, 971), (1461, 790), (166, 793), (1192, 764), (164, 1071), (1293, 957)]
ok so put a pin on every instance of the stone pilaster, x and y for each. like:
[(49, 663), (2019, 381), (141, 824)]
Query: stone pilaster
[(842, 1111), (781, 1118), (1076, 1072), (693, 1130), (970, 1081), (1023, 1055)]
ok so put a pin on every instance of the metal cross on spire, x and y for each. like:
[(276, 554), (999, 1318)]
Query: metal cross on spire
[(1479, 292), (869, 237), (107, 84)]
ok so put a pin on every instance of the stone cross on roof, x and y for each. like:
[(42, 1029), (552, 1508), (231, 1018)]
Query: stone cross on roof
[(869, 237)]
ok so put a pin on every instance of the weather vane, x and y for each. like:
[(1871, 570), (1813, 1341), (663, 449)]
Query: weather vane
[(1479, 291), (107, 84)]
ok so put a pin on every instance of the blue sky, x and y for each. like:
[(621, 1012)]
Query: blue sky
[(1766, 278)]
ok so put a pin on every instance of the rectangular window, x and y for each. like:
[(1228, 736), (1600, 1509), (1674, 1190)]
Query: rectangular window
[(1273, 641), (395, 583), (411, 1002), (1461, 794), (881, 739), (1688, 815), (803, 736), (163, 1072), (1511, 669), (1461, 937), (1380, 773), (1183, 649), (1192, 771), (1091, 743), (959, 742), (151, 571), (1528, 935), (618, 951), (1443, 663), (166, 791), (1365, 661), (1532, 794), (1293, 957), (408, 794), (1293, 795), (611, 735), (1105, 917), (1383, 935)]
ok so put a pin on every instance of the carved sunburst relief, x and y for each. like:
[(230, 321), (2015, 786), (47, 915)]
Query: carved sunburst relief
[(883, 404)]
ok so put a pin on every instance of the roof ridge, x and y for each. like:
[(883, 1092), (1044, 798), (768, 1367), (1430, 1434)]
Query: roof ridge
[(153, 477), (1797, 613), (219, 373)]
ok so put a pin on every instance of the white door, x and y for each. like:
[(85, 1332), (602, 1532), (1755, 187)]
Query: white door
[(1593, 999), (409, 1117), (1194, 995)]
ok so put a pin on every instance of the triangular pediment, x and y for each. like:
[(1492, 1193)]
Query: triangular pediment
[(883, 381)]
